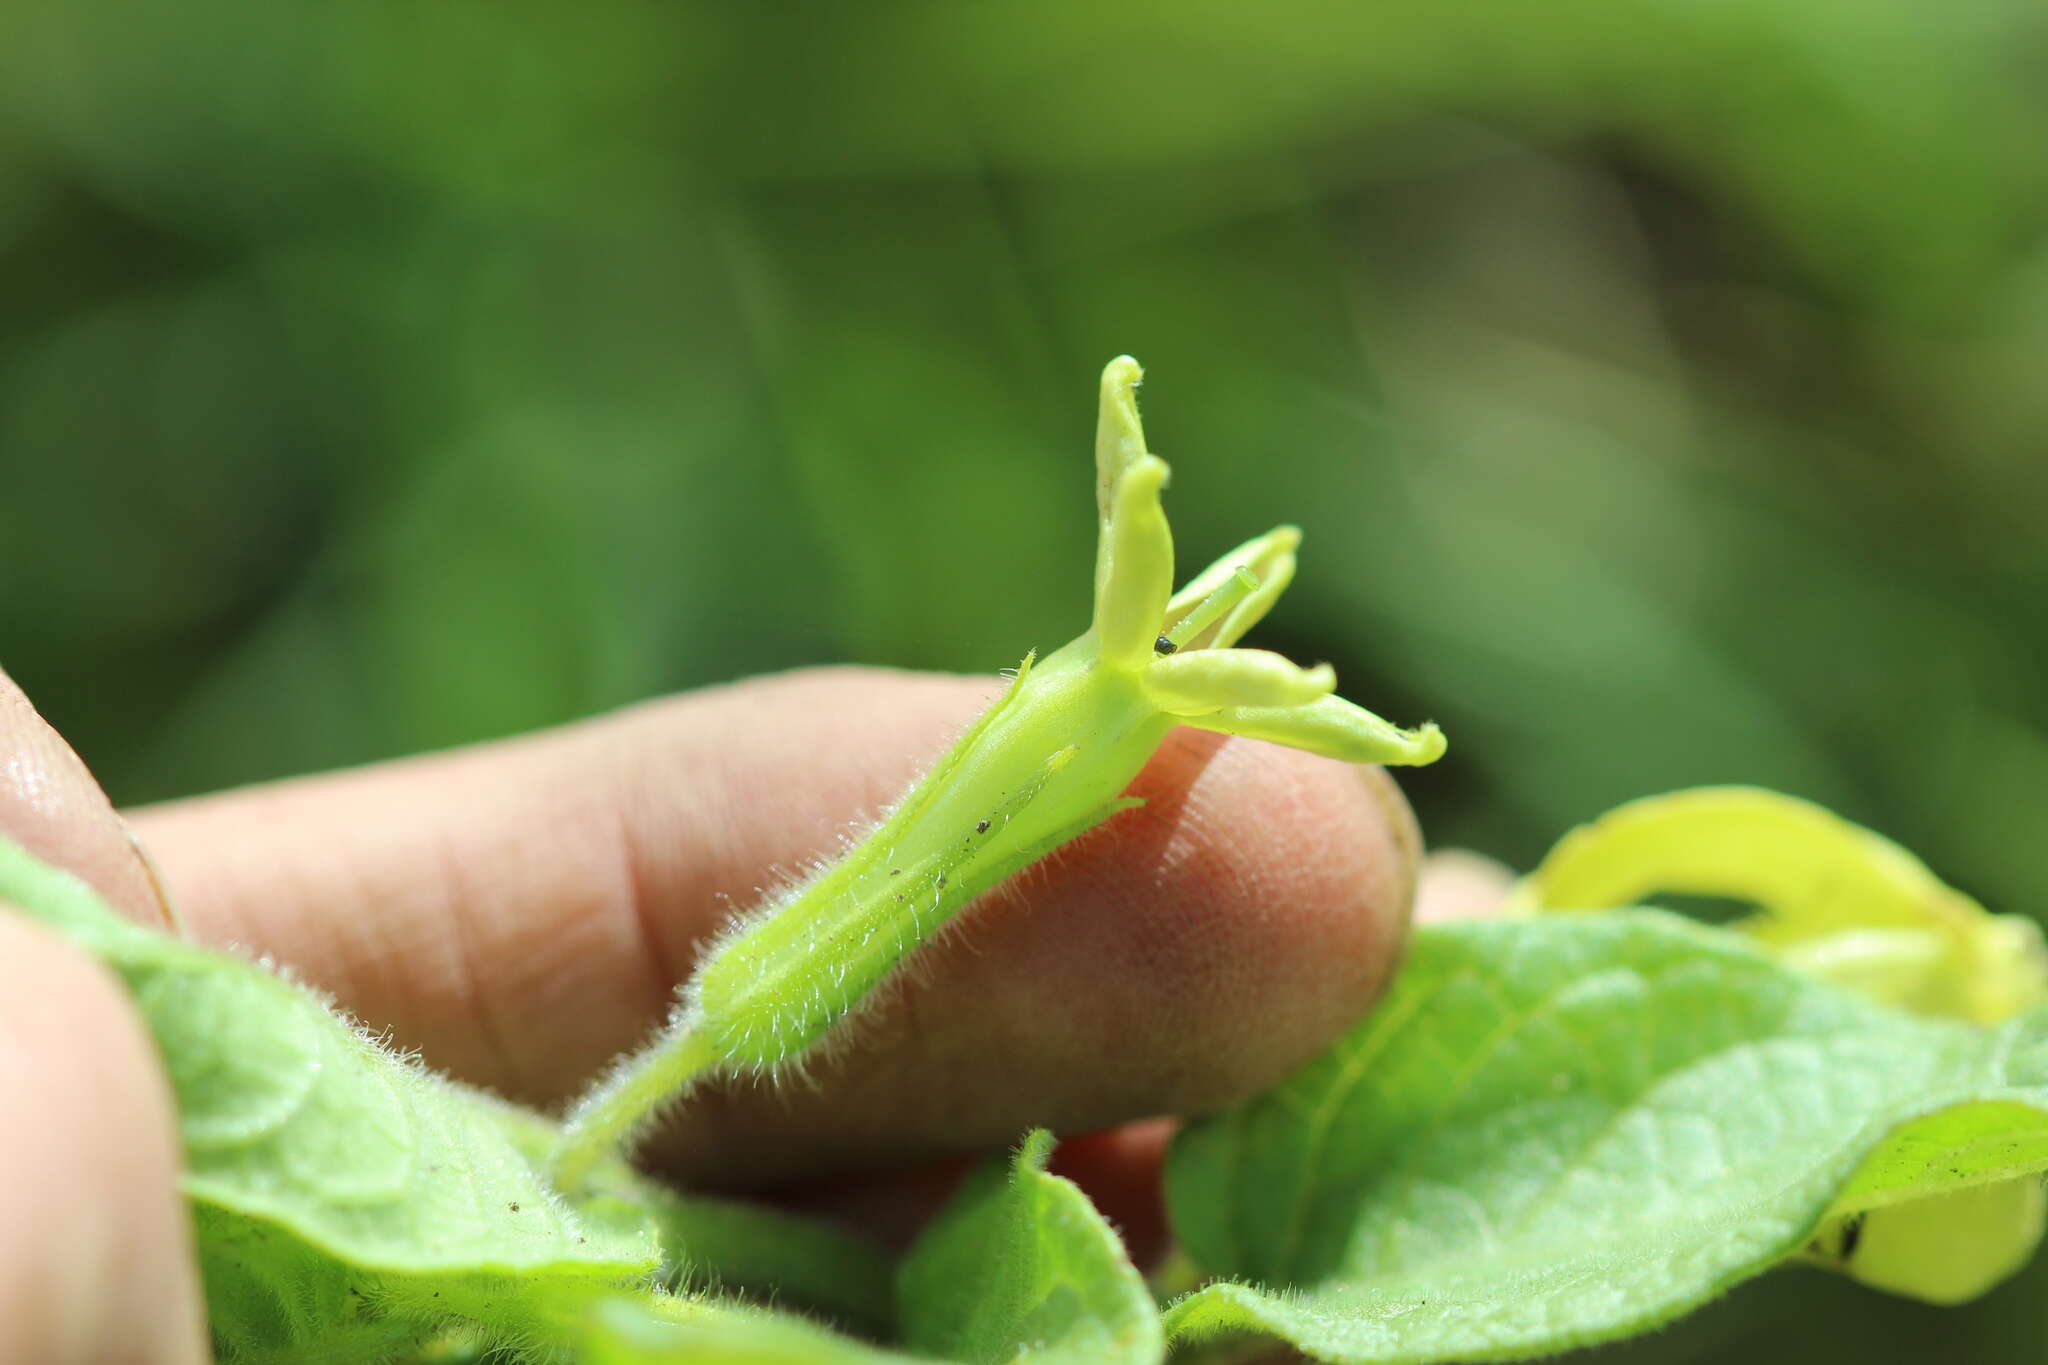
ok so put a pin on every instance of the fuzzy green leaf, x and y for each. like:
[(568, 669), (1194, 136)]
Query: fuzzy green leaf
[(1020, 1267), (1560, 1131), (635, 1332), (726, 1245), (1972, 1143), (345, 1199)]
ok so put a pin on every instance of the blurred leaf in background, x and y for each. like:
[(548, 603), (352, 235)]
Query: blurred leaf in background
[(1657, 385)]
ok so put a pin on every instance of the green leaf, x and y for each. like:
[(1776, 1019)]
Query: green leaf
[(1848, 905), (716, 1245), (1970, 1144), (1021, 1267), (724, 1244), (1556, 1132), (679, 1332), (347, 1201), (1951, 1204)]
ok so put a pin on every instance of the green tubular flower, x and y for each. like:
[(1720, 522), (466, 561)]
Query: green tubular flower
[(1049, 761)]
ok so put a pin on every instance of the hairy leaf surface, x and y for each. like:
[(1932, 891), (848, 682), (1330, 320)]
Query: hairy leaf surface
[(639, 1332), (727, 1245), (724, 1246), (1021, 1267), (338, 1189), (1560, 1131)]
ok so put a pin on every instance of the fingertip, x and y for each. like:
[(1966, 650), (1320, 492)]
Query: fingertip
[(1459, 884), (91, 1209), (1404, 852), (535, 902), (51, 804), (1266, 909), (1184, 956)]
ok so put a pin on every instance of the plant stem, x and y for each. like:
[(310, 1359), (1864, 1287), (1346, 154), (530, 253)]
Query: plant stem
[(609, 1117)]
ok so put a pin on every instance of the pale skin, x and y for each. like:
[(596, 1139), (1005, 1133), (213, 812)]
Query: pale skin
[(520, 911)]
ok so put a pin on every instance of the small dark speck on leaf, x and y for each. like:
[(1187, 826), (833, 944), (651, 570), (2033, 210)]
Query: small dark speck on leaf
[(513, 1207), (981, 828)]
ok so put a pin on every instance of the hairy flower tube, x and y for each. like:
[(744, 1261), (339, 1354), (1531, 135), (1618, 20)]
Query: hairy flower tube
[(1046, 763)]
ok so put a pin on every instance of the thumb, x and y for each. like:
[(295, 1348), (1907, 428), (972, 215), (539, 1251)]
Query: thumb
[(96, 1264)]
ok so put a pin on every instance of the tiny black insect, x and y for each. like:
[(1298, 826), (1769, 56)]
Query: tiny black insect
[(1852, 1237), (942, 881), (981, 828), (1162, 645)]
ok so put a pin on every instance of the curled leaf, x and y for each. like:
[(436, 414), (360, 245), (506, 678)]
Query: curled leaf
[(1020, 1269), (1831, 895)]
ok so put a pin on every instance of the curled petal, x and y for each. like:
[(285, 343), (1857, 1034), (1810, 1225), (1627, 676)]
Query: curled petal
[(1269, 558), (1133, 566), (1332, 727), (1190, 685), (1833, 895), (1119, 436)]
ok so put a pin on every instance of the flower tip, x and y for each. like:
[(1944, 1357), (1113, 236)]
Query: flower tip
[(1144, 478), (1119, 435), (1120, 380), (1430, 744)]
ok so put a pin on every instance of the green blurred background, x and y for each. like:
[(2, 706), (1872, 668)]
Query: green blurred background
[(1658, 385)]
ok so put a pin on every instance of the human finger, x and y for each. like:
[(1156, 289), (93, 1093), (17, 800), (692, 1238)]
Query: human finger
[(521, 912), (95, 1257), (1457, 883), (52, 806)]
